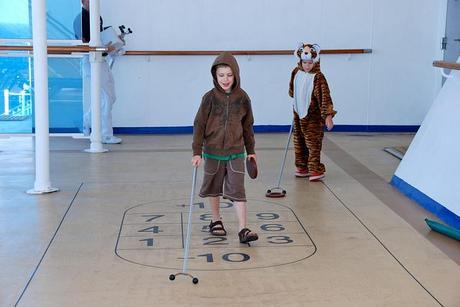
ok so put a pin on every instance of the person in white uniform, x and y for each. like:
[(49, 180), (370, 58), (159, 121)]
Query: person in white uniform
[(108, 97)]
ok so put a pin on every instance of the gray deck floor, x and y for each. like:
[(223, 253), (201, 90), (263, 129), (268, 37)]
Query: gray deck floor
[(115, 231)]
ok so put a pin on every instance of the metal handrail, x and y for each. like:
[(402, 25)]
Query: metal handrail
[(86, 48), (240, 52), (57, 49), (447, 65)]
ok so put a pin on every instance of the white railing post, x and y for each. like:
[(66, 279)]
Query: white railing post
[(22, 100), (42, 169), (6, 99), (95, 59)]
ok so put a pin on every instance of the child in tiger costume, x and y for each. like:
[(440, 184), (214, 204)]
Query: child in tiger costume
[(313, 109)]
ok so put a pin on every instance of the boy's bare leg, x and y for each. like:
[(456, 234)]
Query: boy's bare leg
[(215, 208), (216, 229), (240, 207)]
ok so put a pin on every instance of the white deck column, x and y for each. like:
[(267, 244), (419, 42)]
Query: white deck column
[(95, 59), (42, 156)]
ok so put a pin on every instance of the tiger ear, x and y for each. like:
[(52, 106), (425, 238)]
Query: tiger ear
[(318, 50), (299, 46)]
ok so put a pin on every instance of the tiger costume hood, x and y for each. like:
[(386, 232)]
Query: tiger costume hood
[(308, 52)]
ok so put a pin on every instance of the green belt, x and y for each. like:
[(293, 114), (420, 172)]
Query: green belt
[(224, 158)]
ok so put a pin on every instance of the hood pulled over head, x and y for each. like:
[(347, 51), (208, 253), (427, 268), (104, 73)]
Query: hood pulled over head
[(226, 58)]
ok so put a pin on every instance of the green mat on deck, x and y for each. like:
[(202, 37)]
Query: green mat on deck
[(441, 228)]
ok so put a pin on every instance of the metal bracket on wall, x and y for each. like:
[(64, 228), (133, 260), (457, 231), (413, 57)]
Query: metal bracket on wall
[(444, 43)]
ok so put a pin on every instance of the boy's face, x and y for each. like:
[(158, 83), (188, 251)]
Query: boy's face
[(225, 78), (307, 65)]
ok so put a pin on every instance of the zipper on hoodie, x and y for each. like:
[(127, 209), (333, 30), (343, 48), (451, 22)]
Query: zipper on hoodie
[(226, 120)]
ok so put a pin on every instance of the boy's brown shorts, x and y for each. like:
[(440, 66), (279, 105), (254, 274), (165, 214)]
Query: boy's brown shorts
[(224, 178)]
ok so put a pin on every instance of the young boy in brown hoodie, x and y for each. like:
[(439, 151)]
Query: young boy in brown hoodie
[(222, 130)]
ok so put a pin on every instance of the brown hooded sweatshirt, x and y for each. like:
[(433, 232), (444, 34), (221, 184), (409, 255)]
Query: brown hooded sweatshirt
[(223, 125)]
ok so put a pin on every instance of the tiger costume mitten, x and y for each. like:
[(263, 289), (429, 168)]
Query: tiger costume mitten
[(312, 104)]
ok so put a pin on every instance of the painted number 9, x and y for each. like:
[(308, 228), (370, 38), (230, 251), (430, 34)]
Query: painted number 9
[(267, 216)]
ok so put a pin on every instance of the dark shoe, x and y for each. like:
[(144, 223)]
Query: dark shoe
[(217, 229), (247, 236)]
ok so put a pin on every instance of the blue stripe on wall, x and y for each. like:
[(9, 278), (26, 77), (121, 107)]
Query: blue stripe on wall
[(374, 128), (62, 130), (266, 129), (257, 128), (153, 130), (426, 202)]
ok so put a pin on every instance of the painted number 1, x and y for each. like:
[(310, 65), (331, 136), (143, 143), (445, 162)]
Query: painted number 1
[(149, 241)]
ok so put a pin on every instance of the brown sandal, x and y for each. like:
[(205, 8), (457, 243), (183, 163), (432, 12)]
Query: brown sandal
[(217, 229), (247, 236)]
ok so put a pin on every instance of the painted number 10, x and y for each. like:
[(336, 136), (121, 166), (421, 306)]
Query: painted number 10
[(230, 257)]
